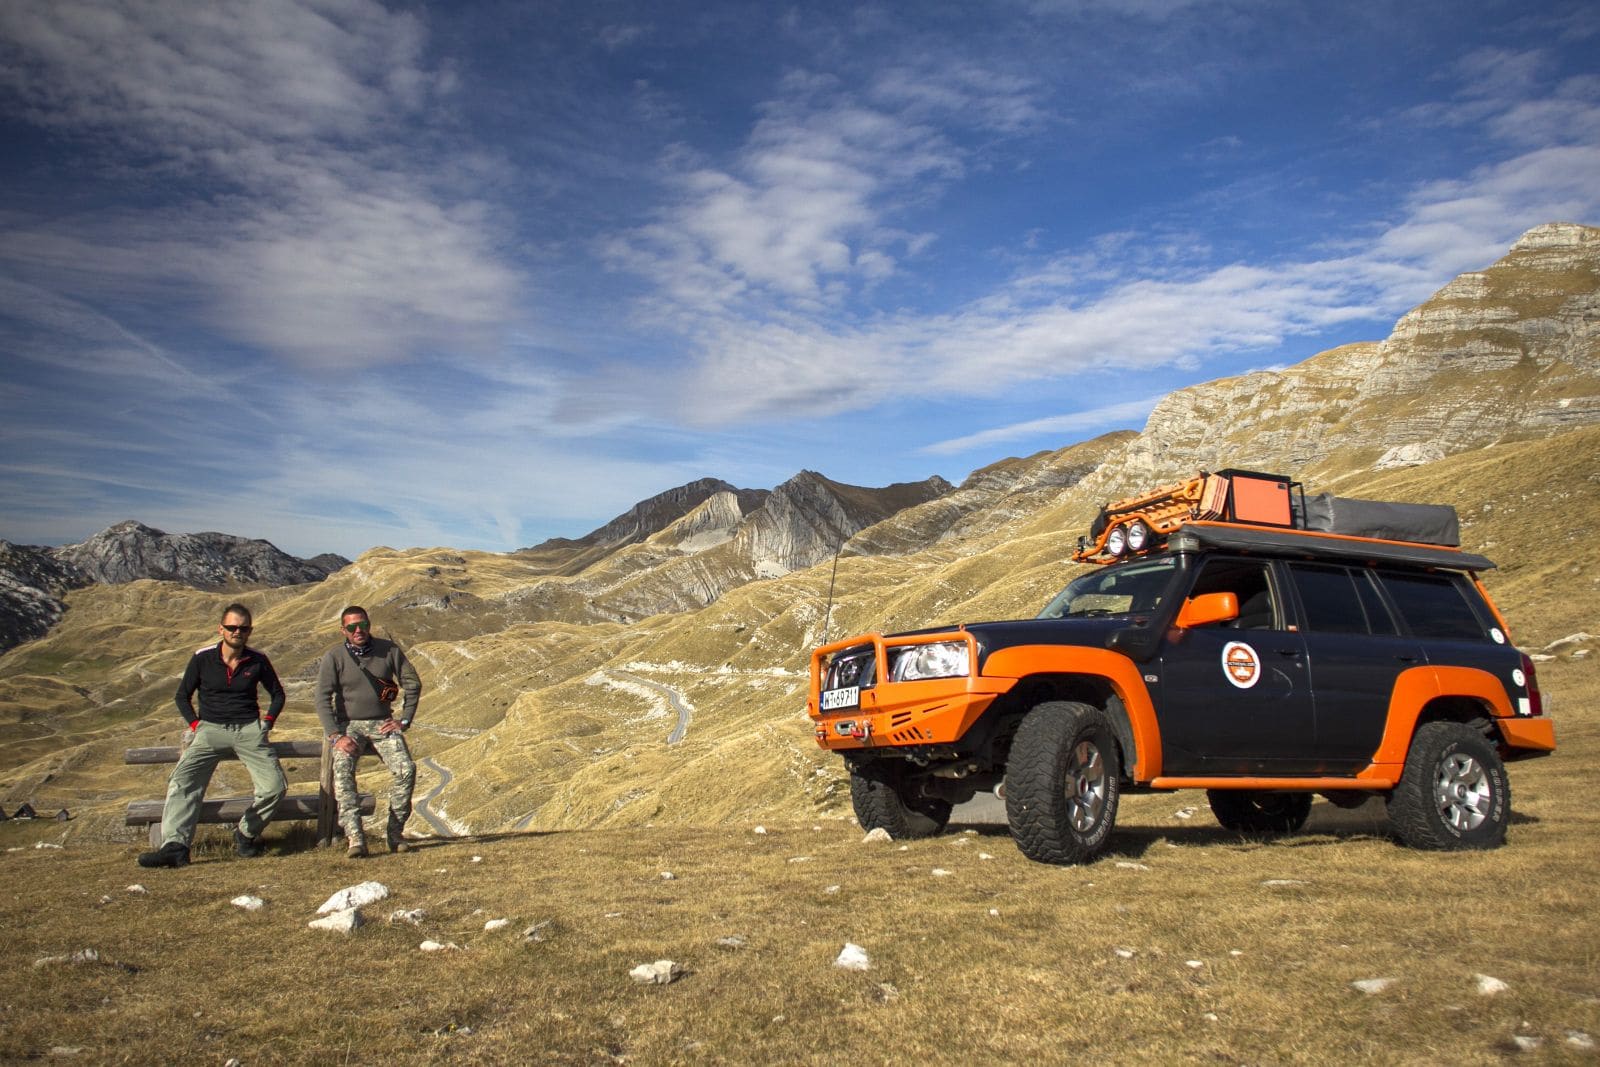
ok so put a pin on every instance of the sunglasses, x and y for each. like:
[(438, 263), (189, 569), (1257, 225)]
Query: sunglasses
[(236, 629), (354, 626)]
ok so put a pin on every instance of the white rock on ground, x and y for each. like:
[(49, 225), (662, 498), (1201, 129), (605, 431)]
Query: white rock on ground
[(354, 896), (1372, 986), (940, 872), (495, 924), (661, 972), (247, 902), (879, 834), (1489, 986), (1526, 1042), (340, 922), (1580, 1040), (1129, 865), (137, 889), (439, 946), (83, 955), (413, 917), (853, 958)]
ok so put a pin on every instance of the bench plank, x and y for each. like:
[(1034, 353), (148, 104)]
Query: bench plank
[(145, 812), (170, 753)]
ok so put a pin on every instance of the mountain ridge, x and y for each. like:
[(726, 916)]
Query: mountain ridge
[(533, 698)]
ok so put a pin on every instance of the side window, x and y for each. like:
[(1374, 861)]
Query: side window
[(1329, 598), (1379, 618), (1246, 579), (1432, 605)]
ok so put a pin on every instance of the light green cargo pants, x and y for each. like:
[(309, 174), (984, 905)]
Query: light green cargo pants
[(187, 787)]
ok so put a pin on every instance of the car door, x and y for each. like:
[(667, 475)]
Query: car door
[(1234, 696), (1354, 653)]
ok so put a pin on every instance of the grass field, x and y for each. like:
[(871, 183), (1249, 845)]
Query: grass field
[(1184, 944)]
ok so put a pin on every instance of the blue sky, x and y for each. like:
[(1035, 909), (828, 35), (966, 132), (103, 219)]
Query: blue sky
[(339, 273)]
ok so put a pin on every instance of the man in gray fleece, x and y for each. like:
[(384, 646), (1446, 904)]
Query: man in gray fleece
[(357, 683)]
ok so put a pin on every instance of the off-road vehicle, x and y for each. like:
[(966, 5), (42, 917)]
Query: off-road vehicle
[(1241, 638)]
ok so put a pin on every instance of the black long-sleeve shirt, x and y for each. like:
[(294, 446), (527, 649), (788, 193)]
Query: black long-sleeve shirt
[(228, 695)]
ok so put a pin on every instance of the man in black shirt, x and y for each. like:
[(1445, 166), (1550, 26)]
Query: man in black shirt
[(226, 676)]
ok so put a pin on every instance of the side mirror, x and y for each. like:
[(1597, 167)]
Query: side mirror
[(1208, 608)]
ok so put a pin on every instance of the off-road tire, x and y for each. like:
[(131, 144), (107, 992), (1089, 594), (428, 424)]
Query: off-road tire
[(1256, 811), (886, 798), (1453, 793), (1063, 782)]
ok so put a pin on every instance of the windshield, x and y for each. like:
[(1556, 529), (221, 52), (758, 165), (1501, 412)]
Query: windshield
[(1121, 589)]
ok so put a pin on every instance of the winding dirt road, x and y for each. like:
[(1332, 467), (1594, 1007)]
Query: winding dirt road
[(421, 806), (674, 698)]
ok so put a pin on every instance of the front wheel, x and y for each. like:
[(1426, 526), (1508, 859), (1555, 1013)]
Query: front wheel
[(886, 798), (1254, 811), (1063, 782), (1453, 793)]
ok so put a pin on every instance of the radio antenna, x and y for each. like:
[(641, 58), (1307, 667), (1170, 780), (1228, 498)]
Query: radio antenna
[(827, 616)]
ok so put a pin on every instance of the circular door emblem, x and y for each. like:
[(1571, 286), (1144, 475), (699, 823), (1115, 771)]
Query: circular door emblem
[(1240, 664)]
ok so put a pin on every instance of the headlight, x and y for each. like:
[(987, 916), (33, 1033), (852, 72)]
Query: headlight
[(1117, 541), (945, 659), (1138, 535)]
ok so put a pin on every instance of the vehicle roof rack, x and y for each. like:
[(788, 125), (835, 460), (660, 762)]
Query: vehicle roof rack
[(1257, 504)]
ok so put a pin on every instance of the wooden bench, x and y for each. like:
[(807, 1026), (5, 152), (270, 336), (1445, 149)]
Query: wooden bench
[(320, 806)]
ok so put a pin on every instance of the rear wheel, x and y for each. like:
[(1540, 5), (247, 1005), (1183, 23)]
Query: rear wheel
[(1254, 811), (1063, 782), (886, 798), (1453, 792)]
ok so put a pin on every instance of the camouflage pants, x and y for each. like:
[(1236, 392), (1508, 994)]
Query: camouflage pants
[(391, 749)]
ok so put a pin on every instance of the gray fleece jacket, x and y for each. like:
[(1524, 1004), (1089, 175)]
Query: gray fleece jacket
[(347, 685)]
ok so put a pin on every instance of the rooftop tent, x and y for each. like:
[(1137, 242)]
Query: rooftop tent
[(1432, 524)]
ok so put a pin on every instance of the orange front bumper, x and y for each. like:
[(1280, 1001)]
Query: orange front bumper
[(937, 711)]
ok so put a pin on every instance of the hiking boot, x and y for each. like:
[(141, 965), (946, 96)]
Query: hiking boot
[(397, 841), (171, 854), (358, 851), (248, 847)]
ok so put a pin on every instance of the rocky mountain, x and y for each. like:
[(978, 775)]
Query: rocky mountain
[(729, 538), (34, 580), (32, 584), (1508, 353), (553, 687), (562, 555), (130, 551)]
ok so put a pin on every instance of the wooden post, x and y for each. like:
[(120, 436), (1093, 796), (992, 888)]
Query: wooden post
[(328, 810)]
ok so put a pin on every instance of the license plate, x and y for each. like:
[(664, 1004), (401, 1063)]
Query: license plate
[(834, 699)]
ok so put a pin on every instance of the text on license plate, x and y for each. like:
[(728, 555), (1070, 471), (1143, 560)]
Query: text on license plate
[(849, 697)]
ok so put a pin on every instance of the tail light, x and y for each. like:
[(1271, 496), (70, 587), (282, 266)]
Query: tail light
[(1535, 701)]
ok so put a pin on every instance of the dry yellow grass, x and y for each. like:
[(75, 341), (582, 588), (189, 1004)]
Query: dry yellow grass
[(1001, 959)]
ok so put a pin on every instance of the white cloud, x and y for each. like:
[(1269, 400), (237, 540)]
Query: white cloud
[(332, 238), (1112, 416), (1132, 302), (804, 214), (216, 75)]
